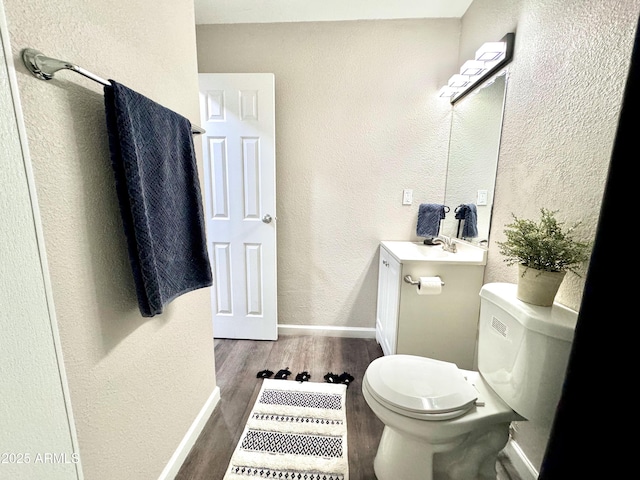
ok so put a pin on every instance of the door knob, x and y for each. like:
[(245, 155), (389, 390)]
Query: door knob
[(267, 218)]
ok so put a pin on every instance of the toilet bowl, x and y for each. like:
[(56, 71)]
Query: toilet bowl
[(442, 422), (427, 429)]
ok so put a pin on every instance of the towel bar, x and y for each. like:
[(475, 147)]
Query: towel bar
[(44, 68)]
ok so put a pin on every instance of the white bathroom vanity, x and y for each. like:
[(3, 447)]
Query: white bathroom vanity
[(443, 325)]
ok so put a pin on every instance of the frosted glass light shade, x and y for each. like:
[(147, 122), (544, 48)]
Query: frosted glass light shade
[(459, 81), (491, 51), (448, 91), (472, 67)]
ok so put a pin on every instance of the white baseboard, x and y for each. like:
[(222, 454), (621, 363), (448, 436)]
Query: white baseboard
[(327, 331), (177, 459), (519, 460)]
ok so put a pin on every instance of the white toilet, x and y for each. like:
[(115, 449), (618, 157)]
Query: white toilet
[(442, 422)]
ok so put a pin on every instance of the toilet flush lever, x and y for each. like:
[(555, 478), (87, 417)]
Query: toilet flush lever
[(478, 401)]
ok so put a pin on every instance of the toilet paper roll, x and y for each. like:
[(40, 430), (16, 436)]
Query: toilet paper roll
[(429, 286)]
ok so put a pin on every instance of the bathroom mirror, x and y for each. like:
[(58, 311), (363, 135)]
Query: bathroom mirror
[(474, 144)]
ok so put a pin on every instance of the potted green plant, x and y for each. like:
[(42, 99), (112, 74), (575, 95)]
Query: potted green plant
[(544, 251)]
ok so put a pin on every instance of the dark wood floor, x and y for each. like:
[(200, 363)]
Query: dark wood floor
[(238, 362)]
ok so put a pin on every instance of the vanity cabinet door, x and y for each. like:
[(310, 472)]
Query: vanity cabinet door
[(389, 271)]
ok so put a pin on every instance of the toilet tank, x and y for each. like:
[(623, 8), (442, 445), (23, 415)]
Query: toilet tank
[(523, 350)]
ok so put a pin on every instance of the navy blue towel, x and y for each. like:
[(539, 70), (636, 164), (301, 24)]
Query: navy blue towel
[(470, 228), (429, 217), (153, 159)]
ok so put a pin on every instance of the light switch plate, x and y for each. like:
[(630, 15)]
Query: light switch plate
[(407, 196), (482, 197)]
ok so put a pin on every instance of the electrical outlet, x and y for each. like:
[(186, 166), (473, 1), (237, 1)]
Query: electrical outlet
[(407, 196), (482, 197)]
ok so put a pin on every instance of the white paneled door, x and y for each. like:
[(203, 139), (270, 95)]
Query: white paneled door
[(238, 113)]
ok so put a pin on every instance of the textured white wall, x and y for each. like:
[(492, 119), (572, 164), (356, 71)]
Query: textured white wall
[(563, 100), (357, 120), (136, 384), (561, 113), (33, 413)]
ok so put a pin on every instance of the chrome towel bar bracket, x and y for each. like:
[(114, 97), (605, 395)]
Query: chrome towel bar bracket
[(44, 68)]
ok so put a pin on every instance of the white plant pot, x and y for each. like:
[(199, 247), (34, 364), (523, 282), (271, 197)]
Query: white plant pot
[(538, 287)]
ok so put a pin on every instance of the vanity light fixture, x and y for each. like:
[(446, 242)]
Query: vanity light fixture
[(489, 58)]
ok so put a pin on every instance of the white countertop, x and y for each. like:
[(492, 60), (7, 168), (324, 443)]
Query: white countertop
[(466, 254)]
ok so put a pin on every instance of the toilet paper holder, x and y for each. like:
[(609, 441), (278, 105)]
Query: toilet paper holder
[(408, 279)]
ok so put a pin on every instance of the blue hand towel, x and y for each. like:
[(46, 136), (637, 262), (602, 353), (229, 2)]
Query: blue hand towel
[(470, 228), (429, 217), (158, 191)]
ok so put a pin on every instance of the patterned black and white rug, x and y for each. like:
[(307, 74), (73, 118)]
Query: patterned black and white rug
[(295, 431)]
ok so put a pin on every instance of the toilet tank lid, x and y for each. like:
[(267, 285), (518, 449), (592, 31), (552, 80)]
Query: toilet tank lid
[(557, 321)]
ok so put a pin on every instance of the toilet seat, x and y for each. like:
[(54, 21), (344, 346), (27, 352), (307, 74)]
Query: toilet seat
[(420, 387)]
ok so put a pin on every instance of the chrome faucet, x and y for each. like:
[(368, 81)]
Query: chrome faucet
[(447, 243)]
